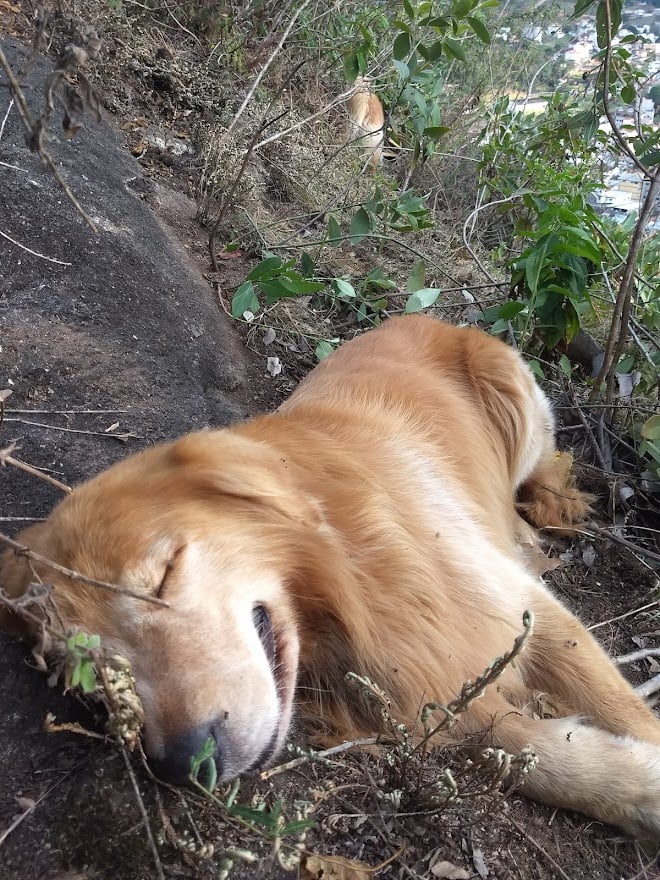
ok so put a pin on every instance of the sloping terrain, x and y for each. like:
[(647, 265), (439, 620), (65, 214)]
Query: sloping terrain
[(122, 344)]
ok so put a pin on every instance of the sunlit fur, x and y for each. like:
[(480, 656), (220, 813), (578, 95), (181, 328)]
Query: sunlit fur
[(374, 515), (366, 120)]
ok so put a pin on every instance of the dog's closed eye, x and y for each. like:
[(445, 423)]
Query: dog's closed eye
[(264, 627), (160, 590)]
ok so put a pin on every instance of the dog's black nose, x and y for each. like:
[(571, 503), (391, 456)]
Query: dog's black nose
[(196, 750)]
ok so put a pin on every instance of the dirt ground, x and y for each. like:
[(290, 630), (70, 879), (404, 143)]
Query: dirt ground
[(120, 345)]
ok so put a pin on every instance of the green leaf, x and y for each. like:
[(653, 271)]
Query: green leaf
[(626, 364), (403, 69), (360, 225), (87, 677), (650, 159), (460, 8), (422, 299), (401, 47), (244, 300), (323, 349), (431, 53), (334, 233), (565, 366), (285, 286), (479, 28), (582, 6), (590, 127), (651, 428), (417, 277), (572, 324), (377, 278), (307, 266), (536, 261), (602, 33), (536, 368), (268, 268), (510, 309), (454, 49), (344, 290), (75, 675), (351, 67), (435, 132), (628, 94), (499, 326), (297, 826), (601, 25), (490, 314)]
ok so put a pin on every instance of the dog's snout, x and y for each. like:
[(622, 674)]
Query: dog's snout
[(191, 758)]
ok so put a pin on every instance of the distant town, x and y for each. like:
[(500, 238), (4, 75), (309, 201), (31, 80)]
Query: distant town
[(623, 184)]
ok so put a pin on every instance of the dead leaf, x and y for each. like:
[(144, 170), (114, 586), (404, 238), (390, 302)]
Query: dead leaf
[(315, 867), (449, 871), (274, 366), (627, 383), (589, 555), (25, 803), (5, 393), (229, 255), (479, 863)]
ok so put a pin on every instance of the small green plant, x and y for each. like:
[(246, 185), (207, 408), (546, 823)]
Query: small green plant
[(260, 818), (275, 280), (203, 770), (381, 216), (551, 278), (649, 447), (80, 664), (367, 298)]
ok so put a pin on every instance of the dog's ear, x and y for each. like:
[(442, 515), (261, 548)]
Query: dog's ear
[(230, 464), (15, 577)]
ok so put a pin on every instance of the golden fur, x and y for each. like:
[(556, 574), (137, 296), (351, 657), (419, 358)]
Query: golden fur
[(366, 120), (373, 515)]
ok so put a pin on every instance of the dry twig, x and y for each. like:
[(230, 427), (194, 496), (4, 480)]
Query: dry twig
[(319, 756), (72, 98), (538, 847), (143, 811), (6, 458), (632, 613), (634, 656), (22, 550)]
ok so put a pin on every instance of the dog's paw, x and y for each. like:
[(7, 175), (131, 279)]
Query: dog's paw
[(549, 498)]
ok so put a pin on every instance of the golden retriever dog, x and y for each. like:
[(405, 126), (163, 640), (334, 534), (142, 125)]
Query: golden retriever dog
[(366, 120), (369, 526)]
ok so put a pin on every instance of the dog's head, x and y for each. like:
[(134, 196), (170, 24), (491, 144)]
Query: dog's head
[(209, 524)]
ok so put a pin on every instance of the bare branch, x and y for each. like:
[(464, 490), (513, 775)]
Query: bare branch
[(34, 253), (23, 550), (6, 458)]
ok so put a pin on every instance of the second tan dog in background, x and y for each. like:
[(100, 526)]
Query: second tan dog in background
[(366, 120)]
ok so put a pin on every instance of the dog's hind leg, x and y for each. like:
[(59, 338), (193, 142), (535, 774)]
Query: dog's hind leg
[(546, 492), (614, 779), (564, 660)]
